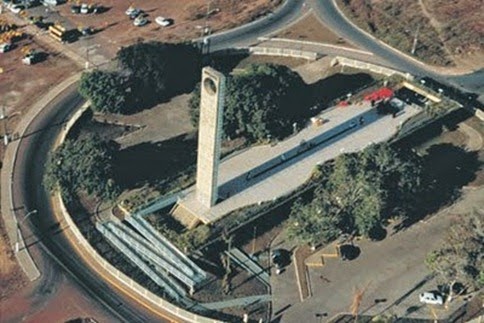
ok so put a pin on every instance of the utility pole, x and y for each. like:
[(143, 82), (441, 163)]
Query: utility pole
[(253, 240), (4, 118), (206, 29), (414, 46)]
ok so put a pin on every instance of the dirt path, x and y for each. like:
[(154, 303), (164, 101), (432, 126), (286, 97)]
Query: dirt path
[(437, 26), (475, 140)]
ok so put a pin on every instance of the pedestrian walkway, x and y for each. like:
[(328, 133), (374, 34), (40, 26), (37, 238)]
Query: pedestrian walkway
[(264, 173), (249, 264), (238, 302)]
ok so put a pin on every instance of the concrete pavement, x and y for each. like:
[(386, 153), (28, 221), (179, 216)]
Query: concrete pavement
[(263, 173), (243, 301)]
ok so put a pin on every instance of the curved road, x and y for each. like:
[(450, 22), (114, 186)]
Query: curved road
[(248, 34), (28, 192), (28, 170)]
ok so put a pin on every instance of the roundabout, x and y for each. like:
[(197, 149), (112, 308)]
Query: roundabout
[(23, 172)]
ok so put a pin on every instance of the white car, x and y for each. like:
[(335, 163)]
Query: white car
[(431, 298), (16, 8), (84, 9), (132, 11), (50, 2), (162, 21), (140, 21), (5, 47)]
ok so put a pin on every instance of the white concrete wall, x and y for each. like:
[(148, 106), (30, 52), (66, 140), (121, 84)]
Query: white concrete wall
[(368, 66)]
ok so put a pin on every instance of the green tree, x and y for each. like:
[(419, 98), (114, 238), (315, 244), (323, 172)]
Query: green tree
[(107, 91), (357, 192), (263, 101), (160, 70), (313, 223), (461, 257), (82, 165)]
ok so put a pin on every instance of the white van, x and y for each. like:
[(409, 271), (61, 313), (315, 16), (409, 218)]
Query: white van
[(50, 2)]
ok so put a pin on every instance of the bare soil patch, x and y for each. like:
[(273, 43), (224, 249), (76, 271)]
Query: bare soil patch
[(11, 276), (22, 84), (311, 29), (60, 303), (189, 17), (242, 285), (449, 33)]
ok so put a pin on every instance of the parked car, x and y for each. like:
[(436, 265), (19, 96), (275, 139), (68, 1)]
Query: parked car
[(50, 2), (433, 298), (16, 8), (76, 9), (33, 58), (86, 31), (280, 258), (85, 9), (135, 14), (5, 47), (132, 10), (140, 21), (30, 3), (162, 21)]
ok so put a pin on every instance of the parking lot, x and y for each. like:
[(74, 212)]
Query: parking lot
[(114, 28)]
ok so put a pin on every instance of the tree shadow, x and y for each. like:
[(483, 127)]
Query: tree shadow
[(154, 163), (349, 252), (378, 233), (323, 92), (433, 130), (446, 169), (225, 63)]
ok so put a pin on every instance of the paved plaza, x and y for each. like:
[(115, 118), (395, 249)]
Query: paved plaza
[(263, 173), (392, 272)]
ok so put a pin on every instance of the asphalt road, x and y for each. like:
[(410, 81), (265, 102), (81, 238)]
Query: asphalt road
[(248, 34), (29, 193)]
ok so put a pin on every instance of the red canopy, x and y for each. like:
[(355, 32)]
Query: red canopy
[(380, 94)]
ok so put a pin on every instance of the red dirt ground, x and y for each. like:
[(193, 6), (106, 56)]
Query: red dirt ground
[(189, 19), (65, 304)]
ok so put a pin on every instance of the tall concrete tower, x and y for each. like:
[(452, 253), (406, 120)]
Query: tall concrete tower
[(209, 135)]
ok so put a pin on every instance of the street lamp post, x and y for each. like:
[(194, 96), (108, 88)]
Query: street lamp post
[(4, 118), (18, 229)]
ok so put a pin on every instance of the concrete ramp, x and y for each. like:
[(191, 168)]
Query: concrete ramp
[(185, 216), (164, 282), (249, 264), (166, 248)]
